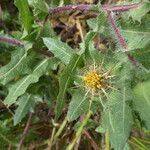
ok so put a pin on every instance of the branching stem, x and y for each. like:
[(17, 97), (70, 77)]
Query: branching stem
[(60, 130), (120, 8), (80, 130)]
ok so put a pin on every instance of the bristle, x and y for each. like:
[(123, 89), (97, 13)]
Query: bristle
[(69, 8), (85, 7), (122, 8), (121, 40)]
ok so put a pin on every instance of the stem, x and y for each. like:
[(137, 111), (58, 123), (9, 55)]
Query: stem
[(25, 132), (120, 38), (83, 7), (11, 41), (51, 139), (132, 60), (135, 144), (69, 7), (121, 7), (113, 24), (94, 144), (141, 144), (60, 130), (80, 130), (107, 141), (144, 141)]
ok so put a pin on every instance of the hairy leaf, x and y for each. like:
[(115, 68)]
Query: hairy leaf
[(79, 105), (65, 81), (59, 49), (136, 35), (20, 86), (142, 101), (140, 12), (117, 119), (143, 56), (26, 103), (136, 39)]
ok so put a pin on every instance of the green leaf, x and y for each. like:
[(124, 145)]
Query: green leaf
[(20, 86), (117, 119), (85, 45), (136, 38), (25, 14), (60, 50), (143, 56), (40, 8), (26, 103), (65, 81), (141, 101), (17, 66), (5, 134), (136, 35), (138, 13), (79, 105)]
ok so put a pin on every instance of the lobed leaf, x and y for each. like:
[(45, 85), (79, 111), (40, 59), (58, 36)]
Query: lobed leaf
[(17, 66), (20, 86), (140, 12), (25, 103), (79, 105), (60, 50), (117, 119)]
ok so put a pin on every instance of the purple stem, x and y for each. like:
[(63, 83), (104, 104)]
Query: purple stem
[(82, 7), (120, 38), (11, 41), (69, 7), (121, 7)]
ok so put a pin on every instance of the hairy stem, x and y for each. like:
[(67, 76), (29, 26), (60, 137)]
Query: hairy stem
[(10, 41), (120, 38), (118, 33), (83, 7)]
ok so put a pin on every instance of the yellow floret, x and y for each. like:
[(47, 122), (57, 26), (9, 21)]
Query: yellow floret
[(93, 80)]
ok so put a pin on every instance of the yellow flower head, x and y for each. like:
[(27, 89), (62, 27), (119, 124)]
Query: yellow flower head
[(93, 80)]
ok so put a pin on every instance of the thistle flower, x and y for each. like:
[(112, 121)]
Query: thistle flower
[(96, 80)]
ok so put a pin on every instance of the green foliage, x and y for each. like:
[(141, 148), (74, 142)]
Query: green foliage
[(136, 34), (22, 84), (25, 104), (141, 101), (51, 73), (25, 14), (117, 119), (59, 49), (65, 81), (17, 66), (78, 105), (140, 11)]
